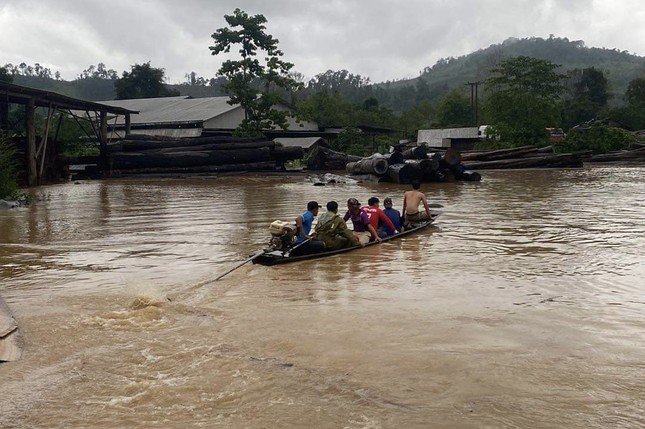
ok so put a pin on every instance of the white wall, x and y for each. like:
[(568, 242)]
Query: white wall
[(435, 138)]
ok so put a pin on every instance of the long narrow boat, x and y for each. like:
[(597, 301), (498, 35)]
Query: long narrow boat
[(275, 257)]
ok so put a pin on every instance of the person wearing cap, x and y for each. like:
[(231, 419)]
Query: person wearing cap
[(394, 216), (377, 217), (333, 231), (363, 229), (305, 243)]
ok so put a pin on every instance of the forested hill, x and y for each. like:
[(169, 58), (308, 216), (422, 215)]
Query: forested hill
[(619, 67), (434, 82)]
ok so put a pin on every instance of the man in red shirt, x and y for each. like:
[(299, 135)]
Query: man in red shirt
[(377, 215)]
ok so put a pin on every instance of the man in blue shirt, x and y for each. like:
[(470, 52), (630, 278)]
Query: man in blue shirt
[(393, 214), (305, 244), (304, 221)]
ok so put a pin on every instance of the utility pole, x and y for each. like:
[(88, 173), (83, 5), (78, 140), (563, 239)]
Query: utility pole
[(474, 100)]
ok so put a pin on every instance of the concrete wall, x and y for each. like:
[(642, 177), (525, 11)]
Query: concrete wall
[(435, 138)]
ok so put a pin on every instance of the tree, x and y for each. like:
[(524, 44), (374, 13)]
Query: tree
[(326, 109), (5, 76), (632, 115), (588, 96), (635, 94), (523, 100), (454, 110), (252, 83), (143, 81)]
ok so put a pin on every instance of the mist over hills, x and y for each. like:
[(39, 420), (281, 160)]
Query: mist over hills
[(435, 81)]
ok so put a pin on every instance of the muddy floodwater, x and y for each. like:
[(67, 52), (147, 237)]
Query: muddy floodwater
[(524, 306)]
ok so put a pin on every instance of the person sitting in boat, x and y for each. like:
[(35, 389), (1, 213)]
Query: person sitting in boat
[(305, 243), (394, 215), (363, 229), (411, 201), (377, 217), (333, 230)]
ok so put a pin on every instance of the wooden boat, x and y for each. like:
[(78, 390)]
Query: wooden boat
[(275, 257)]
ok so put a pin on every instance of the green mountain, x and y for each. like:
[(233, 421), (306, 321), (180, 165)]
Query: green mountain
[(619, 67)]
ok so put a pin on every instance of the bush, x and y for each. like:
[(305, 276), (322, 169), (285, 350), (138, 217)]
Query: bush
[(599, 139), (8, 169)]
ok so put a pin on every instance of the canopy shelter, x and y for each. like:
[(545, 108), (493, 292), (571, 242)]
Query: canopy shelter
[(37, 152)]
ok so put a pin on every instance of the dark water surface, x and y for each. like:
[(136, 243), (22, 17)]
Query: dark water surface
[(524, 306)]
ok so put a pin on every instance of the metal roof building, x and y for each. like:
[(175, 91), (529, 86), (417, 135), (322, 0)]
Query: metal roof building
[(186, 117)]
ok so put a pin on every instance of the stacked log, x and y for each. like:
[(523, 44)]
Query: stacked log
[(321, 158), (154, 155), (434, 168), (637, 154), (522, 157), (545, 161)]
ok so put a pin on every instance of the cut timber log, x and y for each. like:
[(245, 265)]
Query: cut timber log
[(214, 146), (418, 152), (547, 161), (499, 154), (326, 159), (623, 155), (127, 160), (402, 173), (140, 144), (376, 166), (452, 157), (257, 166), (282, 154)]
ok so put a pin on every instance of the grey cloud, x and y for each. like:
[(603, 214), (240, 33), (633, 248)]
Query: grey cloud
[(376, 38)]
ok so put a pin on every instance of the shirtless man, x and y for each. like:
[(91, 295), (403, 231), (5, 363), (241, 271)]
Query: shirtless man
[(411, 201)]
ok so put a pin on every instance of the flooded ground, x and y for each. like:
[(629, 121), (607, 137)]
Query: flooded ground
[(522, 307)]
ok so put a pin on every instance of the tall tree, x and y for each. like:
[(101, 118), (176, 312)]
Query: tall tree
[(588, 95), (143, 81), (635, 94), (5, 76), (253, 83), (523, 99), (454, 110)]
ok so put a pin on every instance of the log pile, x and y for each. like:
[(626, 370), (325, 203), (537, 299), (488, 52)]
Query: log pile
[(151, 155), (522, 157), (635, 154), (413, 164), (321, 158)]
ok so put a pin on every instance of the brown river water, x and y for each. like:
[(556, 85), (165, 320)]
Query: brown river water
[(523, 306)]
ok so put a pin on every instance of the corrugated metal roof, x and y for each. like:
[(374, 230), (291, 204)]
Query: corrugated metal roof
[(173, 109), (303, 142)]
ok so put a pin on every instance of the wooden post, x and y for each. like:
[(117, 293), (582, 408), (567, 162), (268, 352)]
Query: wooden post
[(43, 145), (4, 115), (32, 172), (128, 124), (103, 136)]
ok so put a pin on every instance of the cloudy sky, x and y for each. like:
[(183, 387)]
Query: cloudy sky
[(381, 39)]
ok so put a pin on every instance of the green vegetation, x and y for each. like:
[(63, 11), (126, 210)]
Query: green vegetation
[(598, 138), (246, 76), (143, 81), (8, 169), (523, 100), (5, 76)]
